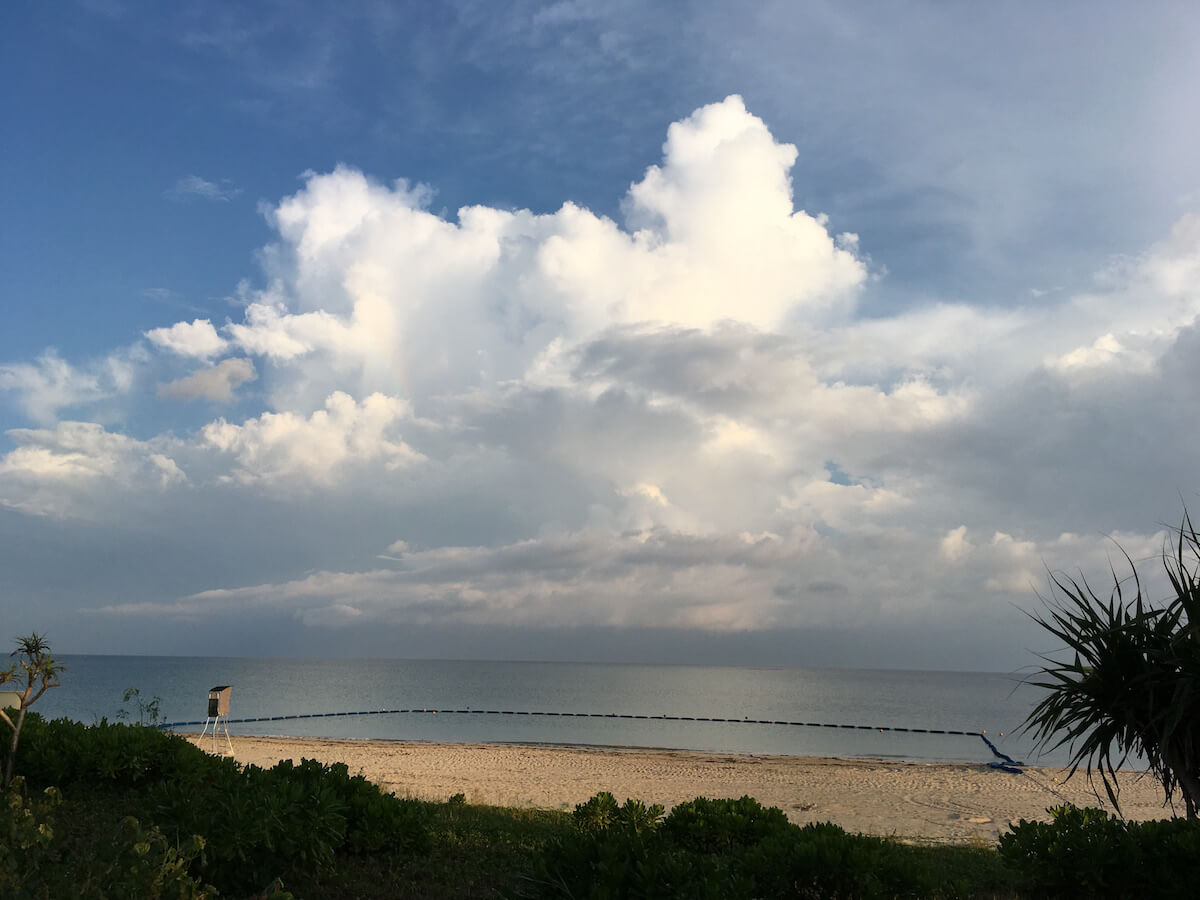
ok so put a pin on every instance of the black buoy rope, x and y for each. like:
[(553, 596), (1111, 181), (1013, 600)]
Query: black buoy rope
[(1004, 763)]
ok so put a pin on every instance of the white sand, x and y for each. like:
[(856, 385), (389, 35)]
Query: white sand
[(934, 802)]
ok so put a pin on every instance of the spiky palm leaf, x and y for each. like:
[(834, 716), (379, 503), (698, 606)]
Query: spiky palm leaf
[(1132, 685)]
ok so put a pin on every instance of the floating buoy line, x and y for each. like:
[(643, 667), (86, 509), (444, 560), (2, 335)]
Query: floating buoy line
[(1003, 762)]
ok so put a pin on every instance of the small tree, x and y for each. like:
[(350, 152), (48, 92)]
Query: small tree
[(1132, 685), (34, 673), (149, 711)]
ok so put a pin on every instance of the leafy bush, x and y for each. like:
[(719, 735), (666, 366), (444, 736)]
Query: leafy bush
[(718, 849), (138, 862), (26, 830), (1088, 853), (721, 826), (822, 860), (290, 819), (259, 824), (601, 812), (65, 752)]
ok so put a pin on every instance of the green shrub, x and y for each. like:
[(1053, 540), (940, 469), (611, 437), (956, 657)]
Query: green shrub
[(137, 862), (26, 831), (601, 812), (1088, 853), (719, 849), (596, 814), (258, 827), (822, 860), (64, 752), (720, 826), (289, 820)]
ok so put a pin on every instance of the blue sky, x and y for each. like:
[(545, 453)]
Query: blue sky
[(771, 331)]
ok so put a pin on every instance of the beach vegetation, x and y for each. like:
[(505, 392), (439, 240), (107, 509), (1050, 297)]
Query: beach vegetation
[(602, 812), (722, 848), (33, 672), (65, 752), (116, 809), (292, 821), (1127, 685), (43, 858), (293, 818), (721, 826), (149, 712), (1089, 853), (213, 828)]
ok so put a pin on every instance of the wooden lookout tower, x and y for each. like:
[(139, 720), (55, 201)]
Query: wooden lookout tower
[(218, 714)]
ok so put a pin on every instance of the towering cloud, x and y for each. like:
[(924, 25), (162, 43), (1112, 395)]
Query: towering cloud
[(367, 280), (677, 420)]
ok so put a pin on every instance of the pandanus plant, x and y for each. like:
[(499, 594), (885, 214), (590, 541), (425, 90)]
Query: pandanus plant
[(1131, 687), (34, 672)]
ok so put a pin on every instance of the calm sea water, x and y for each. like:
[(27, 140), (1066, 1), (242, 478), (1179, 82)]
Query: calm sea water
[(969, 701)]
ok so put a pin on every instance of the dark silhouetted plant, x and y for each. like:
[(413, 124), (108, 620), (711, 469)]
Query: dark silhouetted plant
[(38, 860), (148, 711), (1132, 684), (34, 673), (720, 849), (1088, 853)]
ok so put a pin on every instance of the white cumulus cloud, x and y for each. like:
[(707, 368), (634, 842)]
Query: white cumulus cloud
[(675, 418), (197, 338), (371, 283), (50, 384), (75, 468), (284, 447)]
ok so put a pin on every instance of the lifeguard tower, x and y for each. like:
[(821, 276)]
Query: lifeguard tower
[(218, 714)]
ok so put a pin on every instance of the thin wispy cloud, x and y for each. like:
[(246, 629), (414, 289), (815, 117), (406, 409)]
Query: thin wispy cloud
[(169, 298), (193, 187)]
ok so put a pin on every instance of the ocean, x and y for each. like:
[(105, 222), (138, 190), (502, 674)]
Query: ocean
[(92, 688)]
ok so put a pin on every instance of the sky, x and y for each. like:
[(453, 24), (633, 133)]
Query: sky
[(761, 334)]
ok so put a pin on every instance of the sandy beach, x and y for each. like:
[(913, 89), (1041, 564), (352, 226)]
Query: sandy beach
[(935, 802)]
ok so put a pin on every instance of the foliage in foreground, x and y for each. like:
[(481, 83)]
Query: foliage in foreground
[(287, 820), (1132, 684), (147, 814), (719, 849), (34, 672), (63, 752), (134, 862), (1087, 853), (740, 849), (258, 824)]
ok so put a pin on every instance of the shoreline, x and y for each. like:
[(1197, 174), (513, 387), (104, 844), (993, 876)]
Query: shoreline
[(568, 745), (933, 802)]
